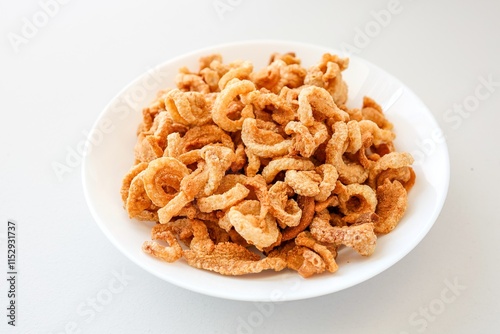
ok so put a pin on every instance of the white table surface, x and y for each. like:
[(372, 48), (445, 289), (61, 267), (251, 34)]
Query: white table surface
[(53, 87)]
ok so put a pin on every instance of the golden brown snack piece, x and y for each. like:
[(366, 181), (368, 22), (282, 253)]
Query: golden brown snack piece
[(127, 179), (361, 238), (173, 207), (280, 73), (405, 175), (392, 198), (306, 255), (335, 149), (390, 160), (329, 176), (328, 74), (379, 136), (306, 140), (306, 205), (328, 254), (137, 200), (305, 261), (223, 201), (304, 183), (232, 259), (162, 179), (240, 72), (147, 148), (362, 218), (231, 91), (281, 164), (188, 108), (258, 231), (262, 142), (191, 82), (355, 199), (272, 107), (225, 258), (315, 104), (286, 210), (241, 157), (265, 169), (218, 159), (170, 254), (253, 166), (331, 201), (198, 137), (373, 111)]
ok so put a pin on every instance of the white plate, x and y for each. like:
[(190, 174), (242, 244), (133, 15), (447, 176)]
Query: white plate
[(110, 155)]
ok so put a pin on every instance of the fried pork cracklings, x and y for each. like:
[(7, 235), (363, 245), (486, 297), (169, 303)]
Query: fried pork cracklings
[(268, 169)]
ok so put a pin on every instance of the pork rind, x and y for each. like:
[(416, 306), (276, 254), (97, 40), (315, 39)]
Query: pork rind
[(245, 170)]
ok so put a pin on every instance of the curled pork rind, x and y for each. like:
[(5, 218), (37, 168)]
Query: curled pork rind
[(265, 169)]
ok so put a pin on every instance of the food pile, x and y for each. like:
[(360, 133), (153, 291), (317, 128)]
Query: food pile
[(268, 169)]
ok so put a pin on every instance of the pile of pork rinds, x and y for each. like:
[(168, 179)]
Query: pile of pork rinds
[(256, 170)]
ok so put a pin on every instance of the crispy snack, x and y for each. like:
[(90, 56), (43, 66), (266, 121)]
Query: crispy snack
[(137, 200), (328, 181), (361, 238), (170, 254), (127, 180), (285, 209), (392, 199), (226, 258), (272, 107), (351, 172), (232, 259), (328, 75), (259, 231), (265, 170), (231, 91), (306, 140), (262, 142), (373, 112), (355, 199), (302, 259), (304, 183), (327, 252), (223, 201), (316, 104), (306, 204), (280, 73), (242, 71), (281, 164), (161, 177), (188, 108)]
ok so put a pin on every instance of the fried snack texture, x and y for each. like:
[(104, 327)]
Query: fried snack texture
[(243, 170)]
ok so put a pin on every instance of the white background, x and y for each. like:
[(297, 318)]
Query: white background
[(56, 82)]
